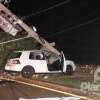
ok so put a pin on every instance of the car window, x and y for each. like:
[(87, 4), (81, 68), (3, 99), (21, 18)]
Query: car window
[(36, 56), (31, 56), (15, 55)]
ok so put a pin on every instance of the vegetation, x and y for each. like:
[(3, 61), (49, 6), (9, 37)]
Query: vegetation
[(6, 49), (62, 79), (74, 82), (66, 80)]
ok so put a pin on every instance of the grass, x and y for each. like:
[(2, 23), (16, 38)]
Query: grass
[(67, 80), (63, 80)]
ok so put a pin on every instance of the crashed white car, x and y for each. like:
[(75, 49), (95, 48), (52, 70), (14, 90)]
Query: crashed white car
[(35, 61)]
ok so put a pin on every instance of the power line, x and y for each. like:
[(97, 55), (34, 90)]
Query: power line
[(14, 40), (47, 9), (74, 27)]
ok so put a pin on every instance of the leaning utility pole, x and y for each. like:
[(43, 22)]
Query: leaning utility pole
[(11, 24)]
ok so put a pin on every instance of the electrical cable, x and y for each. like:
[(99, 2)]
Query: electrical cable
[(47, 9), (74, 27), (5, 42)]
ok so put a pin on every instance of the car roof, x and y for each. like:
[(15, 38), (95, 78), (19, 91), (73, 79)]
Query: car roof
[(38, 51)]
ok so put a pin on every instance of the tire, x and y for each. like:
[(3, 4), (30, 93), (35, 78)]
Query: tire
[(27, 72), (69, 70)]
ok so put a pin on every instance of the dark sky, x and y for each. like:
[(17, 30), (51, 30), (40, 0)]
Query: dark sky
[(74, 26)]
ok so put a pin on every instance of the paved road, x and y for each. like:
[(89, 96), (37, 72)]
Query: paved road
[(13, 91)]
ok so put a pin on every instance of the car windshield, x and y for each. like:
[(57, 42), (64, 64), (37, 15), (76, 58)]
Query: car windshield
[(15, 55)]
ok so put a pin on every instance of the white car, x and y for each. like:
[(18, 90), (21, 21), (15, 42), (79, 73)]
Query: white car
[(35, 61), (55, 98)]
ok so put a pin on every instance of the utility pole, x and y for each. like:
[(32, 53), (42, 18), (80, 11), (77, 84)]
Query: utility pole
[(12, 24)]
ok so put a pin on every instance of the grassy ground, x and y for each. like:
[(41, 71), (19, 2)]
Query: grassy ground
[(68, 81), (63, 79)]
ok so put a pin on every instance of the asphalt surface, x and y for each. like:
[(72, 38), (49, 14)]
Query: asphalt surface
[(13, 91)]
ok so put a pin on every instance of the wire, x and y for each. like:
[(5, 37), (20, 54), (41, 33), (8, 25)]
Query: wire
[(74, 27), (47, 9), (13, 40)]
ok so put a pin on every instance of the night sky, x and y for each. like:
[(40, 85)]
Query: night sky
[(74, 26)]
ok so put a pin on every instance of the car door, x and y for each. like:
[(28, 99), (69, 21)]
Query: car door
[(38, 62)]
